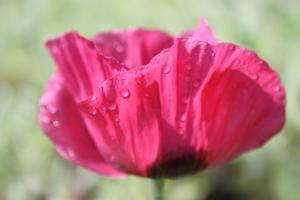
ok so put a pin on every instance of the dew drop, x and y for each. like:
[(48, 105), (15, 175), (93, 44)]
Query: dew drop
[(125, 93), (56, 123), (183, 118), (167, 69), (52, 109), (94, 111), (112, 106), (180, 131), (276, 88), (213, 54), (143, 73), (254, 77), (117, 119), (93, 98), (103, 107), (70, 153)]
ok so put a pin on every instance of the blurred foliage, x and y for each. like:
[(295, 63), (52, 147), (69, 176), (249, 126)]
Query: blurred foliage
[(31, 169)]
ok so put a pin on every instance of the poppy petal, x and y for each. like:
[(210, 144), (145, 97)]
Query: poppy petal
[(123, 118), (202, 33), (134, 46), (242, 103), (62, 122), (177, 73), (215, 125), (80, 64), (180, 72)]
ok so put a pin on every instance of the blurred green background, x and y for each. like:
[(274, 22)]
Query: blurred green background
[(31, 169)]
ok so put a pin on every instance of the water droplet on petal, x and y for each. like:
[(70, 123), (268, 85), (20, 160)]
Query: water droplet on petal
[(183, 118), (276, 88), (117, 119), (70, 153), (213, 54), (103, 107), (52, 109), (112, 106), (167, 69), (94, 111), (56, 123), (254, 77), (143, 73), (93, 98), (181, 131), (125, 93)]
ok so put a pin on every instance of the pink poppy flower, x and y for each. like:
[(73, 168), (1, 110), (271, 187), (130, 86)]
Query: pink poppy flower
[(141, 102)]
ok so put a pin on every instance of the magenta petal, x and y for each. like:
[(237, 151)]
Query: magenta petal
[(81, 65), (62, 122), (202, 33), (180, 72), (133, 47), (141, 119), (218, 101), (123, 118), (242, 103)]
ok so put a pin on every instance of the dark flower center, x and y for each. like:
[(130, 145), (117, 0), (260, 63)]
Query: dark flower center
[(172, 168)]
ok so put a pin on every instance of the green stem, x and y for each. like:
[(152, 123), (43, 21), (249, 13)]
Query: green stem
[(158, 189)]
